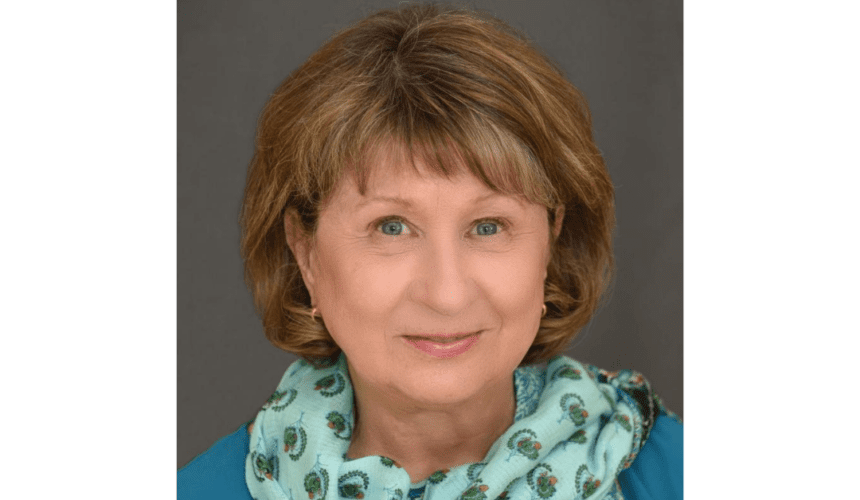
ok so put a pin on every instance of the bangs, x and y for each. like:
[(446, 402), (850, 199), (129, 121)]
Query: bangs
[(445, 147)]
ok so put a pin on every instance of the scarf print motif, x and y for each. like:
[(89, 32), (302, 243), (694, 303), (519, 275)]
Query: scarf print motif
[(575, 429)]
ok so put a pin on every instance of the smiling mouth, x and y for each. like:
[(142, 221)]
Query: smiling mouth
[(442, 338), (443, 345)]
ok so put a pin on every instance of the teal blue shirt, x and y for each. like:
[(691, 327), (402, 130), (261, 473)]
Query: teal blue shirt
[(656, 474)]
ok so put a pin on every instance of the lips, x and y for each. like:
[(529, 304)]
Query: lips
[(443, 345)]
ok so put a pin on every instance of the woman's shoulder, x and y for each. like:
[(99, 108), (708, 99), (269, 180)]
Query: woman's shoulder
[(658, 471), (218, 472)]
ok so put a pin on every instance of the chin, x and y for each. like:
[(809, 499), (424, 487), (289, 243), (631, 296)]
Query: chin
[(444, 385)]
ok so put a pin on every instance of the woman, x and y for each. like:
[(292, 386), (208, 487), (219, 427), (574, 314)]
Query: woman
[(426, 219)]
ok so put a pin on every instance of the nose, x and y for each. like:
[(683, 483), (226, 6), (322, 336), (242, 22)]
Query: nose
[(443, 283)]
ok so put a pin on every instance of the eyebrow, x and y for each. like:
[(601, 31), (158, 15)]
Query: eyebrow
[(388, 199)]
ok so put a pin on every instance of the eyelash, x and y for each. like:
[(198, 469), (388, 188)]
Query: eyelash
[(502, 225)]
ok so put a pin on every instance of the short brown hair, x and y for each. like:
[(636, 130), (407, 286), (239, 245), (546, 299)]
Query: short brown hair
[(459, 89)]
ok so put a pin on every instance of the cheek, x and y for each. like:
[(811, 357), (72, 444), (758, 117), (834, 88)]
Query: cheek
[(358, 291), (514, 293), (515, 278), (514, 287)]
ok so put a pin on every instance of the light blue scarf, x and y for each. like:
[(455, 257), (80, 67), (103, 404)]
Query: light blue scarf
[(576, 428)]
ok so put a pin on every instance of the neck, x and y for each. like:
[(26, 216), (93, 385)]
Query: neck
[(424, 438)]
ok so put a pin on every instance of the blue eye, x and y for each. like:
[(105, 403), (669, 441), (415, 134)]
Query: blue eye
[(486, 229), (392, 227)]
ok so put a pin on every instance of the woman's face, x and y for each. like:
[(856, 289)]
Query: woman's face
[(433, 287)]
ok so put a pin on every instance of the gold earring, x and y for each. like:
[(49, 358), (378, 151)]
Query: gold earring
[(543, 311)]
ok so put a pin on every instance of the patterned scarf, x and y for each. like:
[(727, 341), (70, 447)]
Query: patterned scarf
[(576, 428)]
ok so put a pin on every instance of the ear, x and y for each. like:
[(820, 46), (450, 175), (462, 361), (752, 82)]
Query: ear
[(557, 223), (302, 248)]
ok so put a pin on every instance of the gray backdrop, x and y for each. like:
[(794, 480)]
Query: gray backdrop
[(626, 56)]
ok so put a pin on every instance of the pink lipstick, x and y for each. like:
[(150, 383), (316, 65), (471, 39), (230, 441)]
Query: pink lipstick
[(443, 346)]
